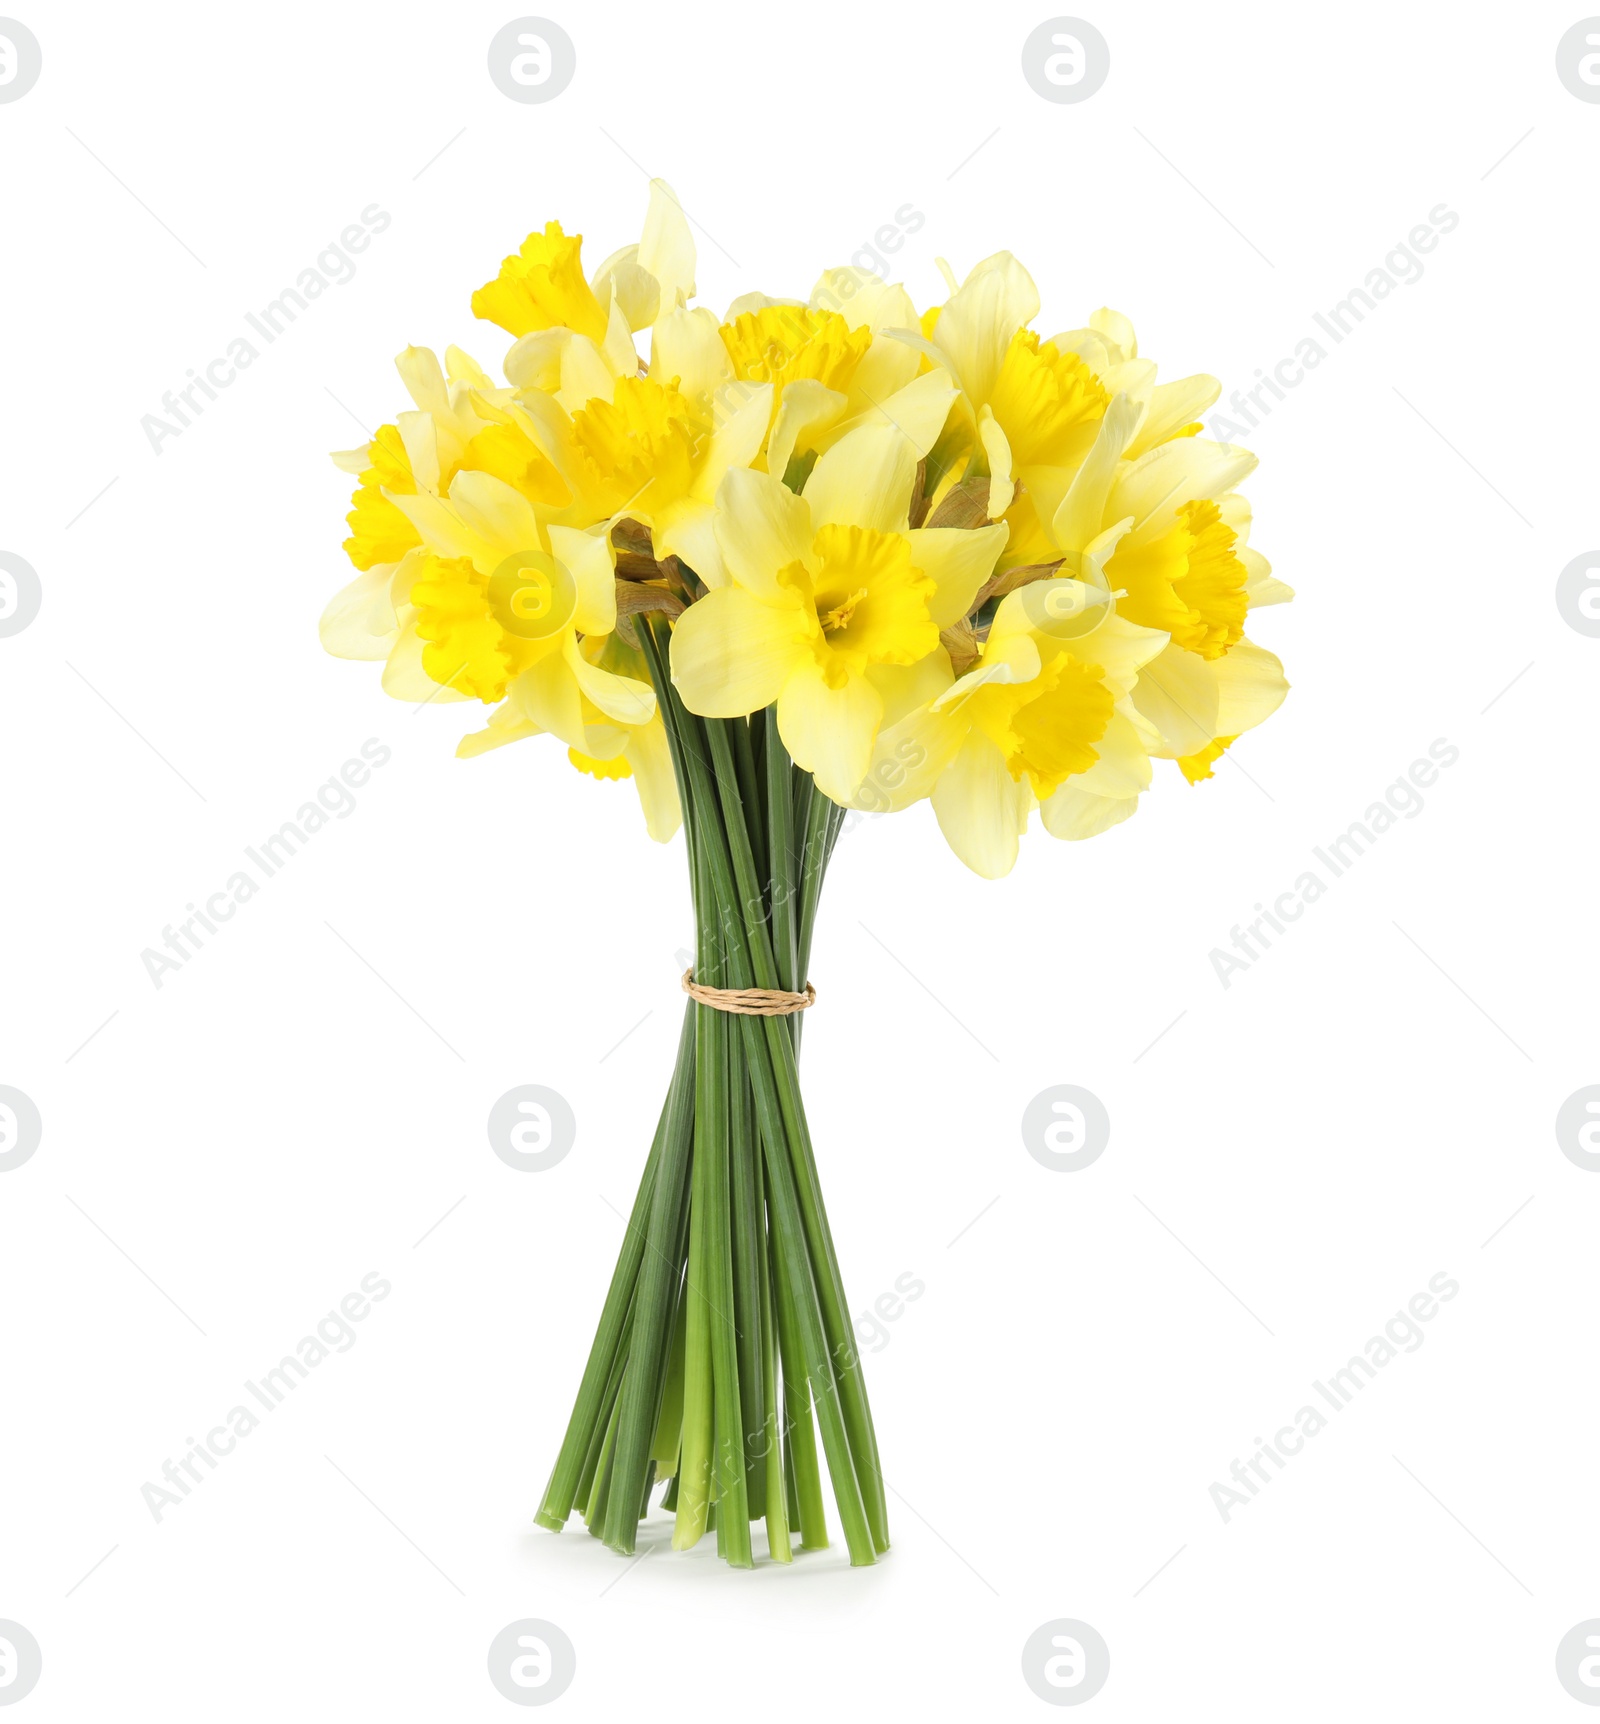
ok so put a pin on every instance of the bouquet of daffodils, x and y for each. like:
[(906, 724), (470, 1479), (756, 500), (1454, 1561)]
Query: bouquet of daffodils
[(818, 555)]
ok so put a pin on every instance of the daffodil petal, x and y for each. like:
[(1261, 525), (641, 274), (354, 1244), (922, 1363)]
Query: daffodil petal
[(534, 362), (978, 321), (756, 301), (735, 443), (918, 410), (424, 380), (1116, 329), (506, 724), (1079, 617), (666, 247), (419, 433), (732, 652), (547, 694), (618, 351), (863, 299), (806, 407), (829, 731), (1075, 813), (1250, 687), (1007, 659), (1177, 691), (623, 281), (998, 453), (1134, 378), (618, 697), (585, 374), (359, 621), (687, 530), (761, 527), (1156, 486), (1060, 612), (405, 679), (982, 811), (864, 480), (959, 560), (1083, 510), (651, 759), (687, 345), (1029, 611), (908, 759), (905, 687), (461, 367), (1123, 767), (499, 515), (591, 562), (1262, 587), (1171, 407), (919, 343)]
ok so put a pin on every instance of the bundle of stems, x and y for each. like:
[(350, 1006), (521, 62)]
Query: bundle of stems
[(725, 1345)]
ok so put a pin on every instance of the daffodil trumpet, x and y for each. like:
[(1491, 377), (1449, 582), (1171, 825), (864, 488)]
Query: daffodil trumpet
[(812, 556)]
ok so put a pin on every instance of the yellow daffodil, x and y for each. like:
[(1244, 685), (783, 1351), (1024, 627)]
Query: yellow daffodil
[(421, 450), (1030, 408), (542, 286), (500, 603), (1043, 719), (420, 453), (641, 449), (1165, 531), (491, 602), (468, 471), (829, 594), (831, 365), (576, 336)]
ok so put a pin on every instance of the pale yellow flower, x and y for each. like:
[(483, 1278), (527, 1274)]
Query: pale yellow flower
[(830, 594), (496, 601), (1165, 532), (542, 286), (1029, 408), (576, 337), (643, 450), (1043, 719), (833, 364)]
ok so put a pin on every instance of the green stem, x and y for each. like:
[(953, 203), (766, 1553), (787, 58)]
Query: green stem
[(746, 919), (750, 788), (781, 849), (800, 1231), (821, 831), (562, 1490), (775, 1493), (824, 1260), (694, 1463), (712, 1145), (655, 1300), (669, 1425), (802, 1473), (747, 1236), (608, 1405), (715, 1118), (599, 1493)]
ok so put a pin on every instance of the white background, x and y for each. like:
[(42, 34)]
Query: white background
[(1289, 1163)]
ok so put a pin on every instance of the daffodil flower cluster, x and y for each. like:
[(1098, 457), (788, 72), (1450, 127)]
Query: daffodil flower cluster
[(963, 562), (811, 556)]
